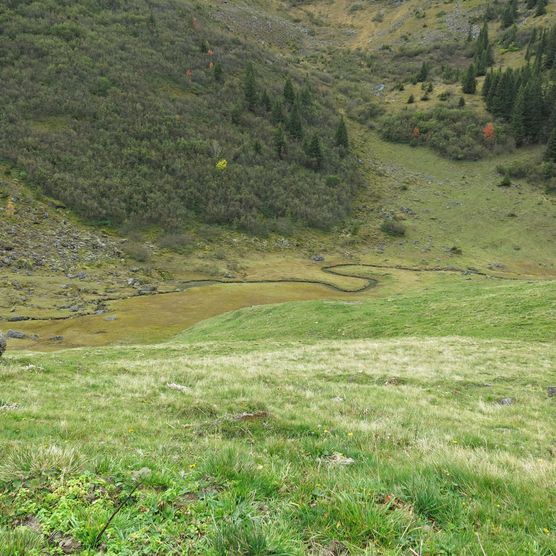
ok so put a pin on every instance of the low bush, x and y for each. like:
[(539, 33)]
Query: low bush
[(393, 228), (453, 132)]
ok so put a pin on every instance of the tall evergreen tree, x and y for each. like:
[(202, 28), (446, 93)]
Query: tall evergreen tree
[(518, 122), (423, 73), (483, 57), (550, 153), (277, 113), (250, 87), (469, 84), (295, 126), (289, 92), (314, 151), (540, 8), (535, 110), (342, 139), (508, 15), (279, 142), (266, 102), (487, 83)]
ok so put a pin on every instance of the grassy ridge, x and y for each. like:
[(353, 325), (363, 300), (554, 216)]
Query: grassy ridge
[(516, 310)]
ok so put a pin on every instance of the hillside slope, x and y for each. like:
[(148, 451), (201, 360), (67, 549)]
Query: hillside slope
[(153, 112)]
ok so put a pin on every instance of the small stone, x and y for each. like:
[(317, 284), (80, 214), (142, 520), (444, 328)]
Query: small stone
[(339, 459), (336, 548), (146, 290), (16, 334), (506, 401), (111, 318), (551, 391), (56, 338), (142, 473), (3, 344), (74, 308), (317, 258)]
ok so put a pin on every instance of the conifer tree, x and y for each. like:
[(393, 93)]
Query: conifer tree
[(266, 102), (218, 73), (423, 73), (295, 127), (519, 130), (289, 92), (540, 8), (342, 139), (487, 84), (277, 114), (314, 151), (483, 57), (469, 85), (279, 142), (550, 153), (250, 88), (534, 112), (509, 15)]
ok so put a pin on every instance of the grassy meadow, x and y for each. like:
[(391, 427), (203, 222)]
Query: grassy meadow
[(400, 425)]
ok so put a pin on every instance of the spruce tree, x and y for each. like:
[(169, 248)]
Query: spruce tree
[(540, 8), (483, 56), (277, 114), (508, 17), (218, 73), (535, 110), (295, 127), (250, 88), (289, 92), (266, 102), (487, 84), (279, 142), (469, 85), (314, 151), (342, 139), (518, 121), (305, 97), (550, 153), (423, 73)]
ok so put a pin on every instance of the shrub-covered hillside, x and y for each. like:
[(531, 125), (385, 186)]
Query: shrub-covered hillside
[(148, 111)]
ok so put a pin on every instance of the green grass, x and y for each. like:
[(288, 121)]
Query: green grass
[(495, 309), (298, 441)]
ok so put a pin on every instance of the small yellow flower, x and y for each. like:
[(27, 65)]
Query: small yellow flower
[(325, 430), (546, 531), (350, 434), (192, 466), (222, 164)]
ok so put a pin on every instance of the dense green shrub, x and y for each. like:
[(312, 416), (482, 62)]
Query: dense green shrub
[(453, 132), (122, 110), (393, 228)]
